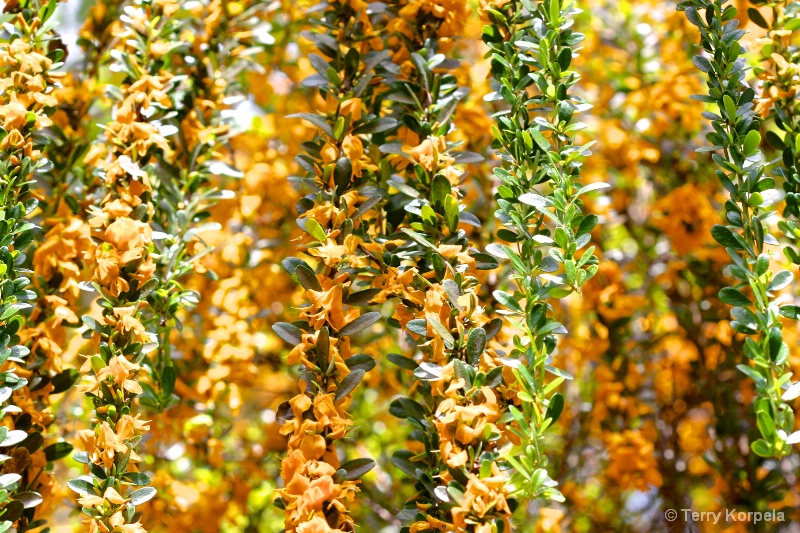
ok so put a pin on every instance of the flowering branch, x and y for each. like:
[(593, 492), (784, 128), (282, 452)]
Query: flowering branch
[(26, 103), (204, 86), (123, 269), (335, 223), (459, 402)]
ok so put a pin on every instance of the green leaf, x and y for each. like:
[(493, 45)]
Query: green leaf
[(507, 300), (12, 310), (288, 332), (168, 379), (516, 261), (734, 297), (792, 392), (533, 199), (29, 499), (323, 346), (136, 478), (140, 496), (361, 298), (761, 448), (730, 107), (8, 480), (462, 372), (316, 120), (15, 436), (453, 291), (315, 230), (428, 215), (555, 12), (757, 18), (419, 238), (592, 187), (418, 326), (360, 361), (558, 372), (766, 425), (725, 237), (491, 34), (751, 142), (451, 212), (57, 450), (476, 344), (81, 486), (402, 361), (745, 316), (92, 323), (495, 377), (702, 64), (484, 261), (587, 225), (540, 140), (290, 264), (762, 264), (13, 509), (402, 460), (790, 311), (63, 381), (792, 24), (338, 129), (348, 384), (440, 190), (775, 342), (555, 408), (82, 458), (307, 278), (357, 468), (751, 373), (442, 331), (780, 280), (361, 322)]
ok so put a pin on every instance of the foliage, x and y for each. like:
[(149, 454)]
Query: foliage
[(410, 266), (736, 133), (532, 46)]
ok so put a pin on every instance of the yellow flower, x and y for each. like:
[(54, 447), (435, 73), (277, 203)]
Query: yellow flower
[(102, 445), (632, 463), (686, 216)]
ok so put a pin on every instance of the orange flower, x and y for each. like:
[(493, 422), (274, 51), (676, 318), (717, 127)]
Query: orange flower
[(103, 445), (327, 308)]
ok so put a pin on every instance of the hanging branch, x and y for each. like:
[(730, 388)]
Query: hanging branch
[(335, 218), (458, 402), (123, 266), (26, 104), (540, 209), (777, 69), (756, 309), (205, 85), (58, 268)]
